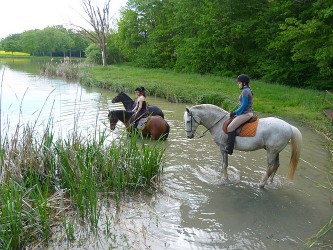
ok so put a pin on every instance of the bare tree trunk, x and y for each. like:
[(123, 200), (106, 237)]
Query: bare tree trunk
[(103, 46), (100, 22)]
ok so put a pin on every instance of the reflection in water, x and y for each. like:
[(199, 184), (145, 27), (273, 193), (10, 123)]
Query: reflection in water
[(34, 99), (195, 209)]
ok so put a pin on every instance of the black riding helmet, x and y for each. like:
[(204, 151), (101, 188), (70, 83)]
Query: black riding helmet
[(243, 78)]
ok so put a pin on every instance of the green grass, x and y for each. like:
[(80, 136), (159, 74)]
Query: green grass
[(324, 234)]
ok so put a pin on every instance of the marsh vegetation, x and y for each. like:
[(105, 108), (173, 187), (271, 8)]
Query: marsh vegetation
[(44, 178)]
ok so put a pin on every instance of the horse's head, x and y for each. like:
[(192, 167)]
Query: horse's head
[(191, 123), (117, 98), (113, 119)]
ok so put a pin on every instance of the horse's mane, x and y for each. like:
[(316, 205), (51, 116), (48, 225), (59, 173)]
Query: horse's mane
[(207, 106), (125, 96)]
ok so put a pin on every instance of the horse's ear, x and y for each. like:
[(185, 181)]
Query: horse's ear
[(187, 110)]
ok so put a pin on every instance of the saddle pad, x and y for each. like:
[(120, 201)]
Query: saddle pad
[(142, 122), (249, 129)]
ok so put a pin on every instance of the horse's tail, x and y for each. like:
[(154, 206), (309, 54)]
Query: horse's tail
[(166, 132), (296, 145)]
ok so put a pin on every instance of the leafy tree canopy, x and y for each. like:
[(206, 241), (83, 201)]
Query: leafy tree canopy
[(290, 42)]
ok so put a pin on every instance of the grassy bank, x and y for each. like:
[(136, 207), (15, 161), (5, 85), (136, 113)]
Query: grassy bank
[(301, 104)]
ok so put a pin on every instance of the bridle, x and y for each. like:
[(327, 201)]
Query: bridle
[(204, 133), (192, 119)]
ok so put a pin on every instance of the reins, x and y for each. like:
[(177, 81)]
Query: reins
[(204, 133)]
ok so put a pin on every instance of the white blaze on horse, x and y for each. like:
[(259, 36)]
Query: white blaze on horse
[(272, 134)]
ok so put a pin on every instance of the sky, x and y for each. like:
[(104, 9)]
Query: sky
[(17, 16)]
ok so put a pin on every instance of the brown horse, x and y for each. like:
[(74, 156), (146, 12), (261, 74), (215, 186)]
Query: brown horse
[(156, 127)]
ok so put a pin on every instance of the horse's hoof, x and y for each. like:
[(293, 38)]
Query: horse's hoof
[(262, 185), (225, 181)]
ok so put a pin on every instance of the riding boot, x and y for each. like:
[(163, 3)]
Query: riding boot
[(231, 142)]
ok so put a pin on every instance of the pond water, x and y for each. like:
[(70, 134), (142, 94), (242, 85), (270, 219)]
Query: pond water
[(194, 209)]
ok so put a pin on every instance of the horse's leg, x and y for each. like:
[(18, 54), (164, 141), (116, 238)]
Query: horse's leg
[(276, 166), (224, 162), (272, 166)]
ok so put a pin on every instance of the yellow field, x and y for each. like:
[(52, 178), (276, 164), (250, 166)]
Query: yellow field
[(7, 53)]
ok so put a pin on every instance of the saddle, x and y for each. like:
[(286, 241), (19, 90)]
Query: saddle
[(247, 129), (141, 123), (141, 120)]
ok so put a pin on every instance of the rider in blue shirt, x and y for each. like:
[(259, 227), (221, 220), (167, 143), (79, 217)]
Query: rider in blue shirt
[(243, 113)]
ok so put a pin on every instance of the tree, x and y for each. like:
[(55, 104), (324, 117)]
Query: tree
[(80, 43), (99, 20), (29, 41), (93, 53), (300, 52), (12, 43), (62, 40)]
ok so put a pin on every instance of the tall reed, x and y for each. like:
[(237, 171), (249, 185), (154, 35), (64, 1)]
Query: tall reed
[(69, 71), (43, 177), (85, 170)]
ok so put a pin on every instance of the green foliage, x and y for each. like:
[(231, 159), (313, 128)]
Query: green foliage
[(300, 53), (51, 41), (93, 54), (289, 42), (113, 54), (12, 43)]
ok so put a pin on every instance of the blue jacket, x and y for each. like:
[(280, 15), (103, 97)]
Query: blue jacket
[(245, 101)]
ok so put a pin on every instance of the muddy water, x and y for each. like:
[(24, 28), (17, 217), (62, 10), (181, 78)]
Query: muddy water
[(194, 208)]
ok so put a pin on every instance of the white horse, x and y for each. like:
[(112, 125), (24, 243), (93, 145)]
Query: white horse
[(272, 134)]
